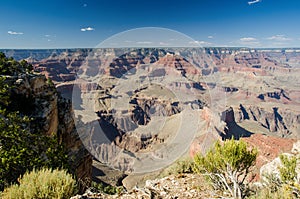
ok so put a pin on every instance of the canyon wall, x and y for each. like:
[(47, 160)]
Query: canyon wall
[(37, 97)]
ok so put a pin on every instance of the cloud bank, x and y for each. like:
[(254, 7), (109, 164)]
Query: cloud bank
[(249, 41), (201, 43), (279, 38)]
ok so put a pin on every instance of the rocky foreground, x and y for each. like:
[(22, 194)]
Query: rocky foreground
[(189, 185), (175, 186)]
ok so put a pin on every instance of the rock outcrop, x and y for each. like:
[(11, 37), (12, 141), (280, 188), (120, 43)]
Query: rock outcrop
[(181, 186), (52, 115), (272, 167), (276, 120), (269, 147)]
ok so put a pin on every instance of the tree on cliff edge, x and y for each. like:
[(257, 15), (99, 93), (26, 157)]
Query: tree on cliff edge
[(227, 166)]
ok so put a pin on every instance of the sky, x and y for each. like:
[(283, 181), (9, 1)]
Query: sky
[(86, 23)]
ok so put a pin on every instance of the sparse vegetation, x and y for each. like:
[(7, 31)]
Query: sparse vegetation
[(50, 82), (227, 166), (45, 183), (105, 188), (285, 187), (184, 165), (288, 173), (267, 193)]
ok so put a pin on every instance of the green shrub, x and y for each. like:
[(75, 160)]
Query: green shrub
[(181, 166), (283, 191), (50, 82), (184, 166), (4, 97), (285, 187), (288, 170), (106, 188), (42, 184), (227, 166)]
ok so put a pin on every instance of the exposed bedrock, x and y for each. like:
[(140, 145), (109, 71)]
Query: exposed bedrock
[(140, 113), (277, 95), (233, 129), (52, 115), (278, 121), (62, 65)]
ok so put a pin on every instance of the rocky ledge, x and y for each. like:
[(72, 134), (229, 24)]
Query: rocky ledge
[(175, 186)]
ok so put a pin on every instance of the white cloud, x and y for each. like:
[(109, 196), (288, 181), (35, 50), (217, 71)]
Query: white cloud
[(201, 43), (163, 43), (144, 42), (253, 2), (210, 37), (84, 5), (14, 33), (47, 35), (279, 38), (87, 29), (248, 39)]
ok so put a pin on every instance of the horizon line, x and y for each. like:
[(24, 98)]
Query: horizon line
[(208, 47)]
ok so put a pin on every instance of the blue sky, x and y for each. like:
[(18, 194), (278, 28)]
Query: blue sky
[(85, 23)]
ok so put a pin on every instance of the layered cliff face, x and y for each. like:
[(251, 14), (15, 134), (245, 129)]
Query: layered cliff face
[(277, 121), (135, 90), (260, 85), (37, 97), (141, 101), (62, 65)]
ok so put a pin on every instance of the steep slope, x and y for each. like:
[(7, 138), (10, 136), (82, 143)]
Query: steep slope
[(37, 98)]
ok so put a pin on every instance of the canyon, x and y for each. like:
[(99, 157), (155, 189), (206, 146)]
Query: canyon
[(139, 110)]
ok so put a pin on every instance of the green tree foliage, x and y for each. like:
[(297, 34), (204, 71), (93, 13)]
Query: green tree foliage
[(105, 188), (4, 97), (9, 66), (227, 165), (21, 149), (288, 176), (45, 183), (288, 170)]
